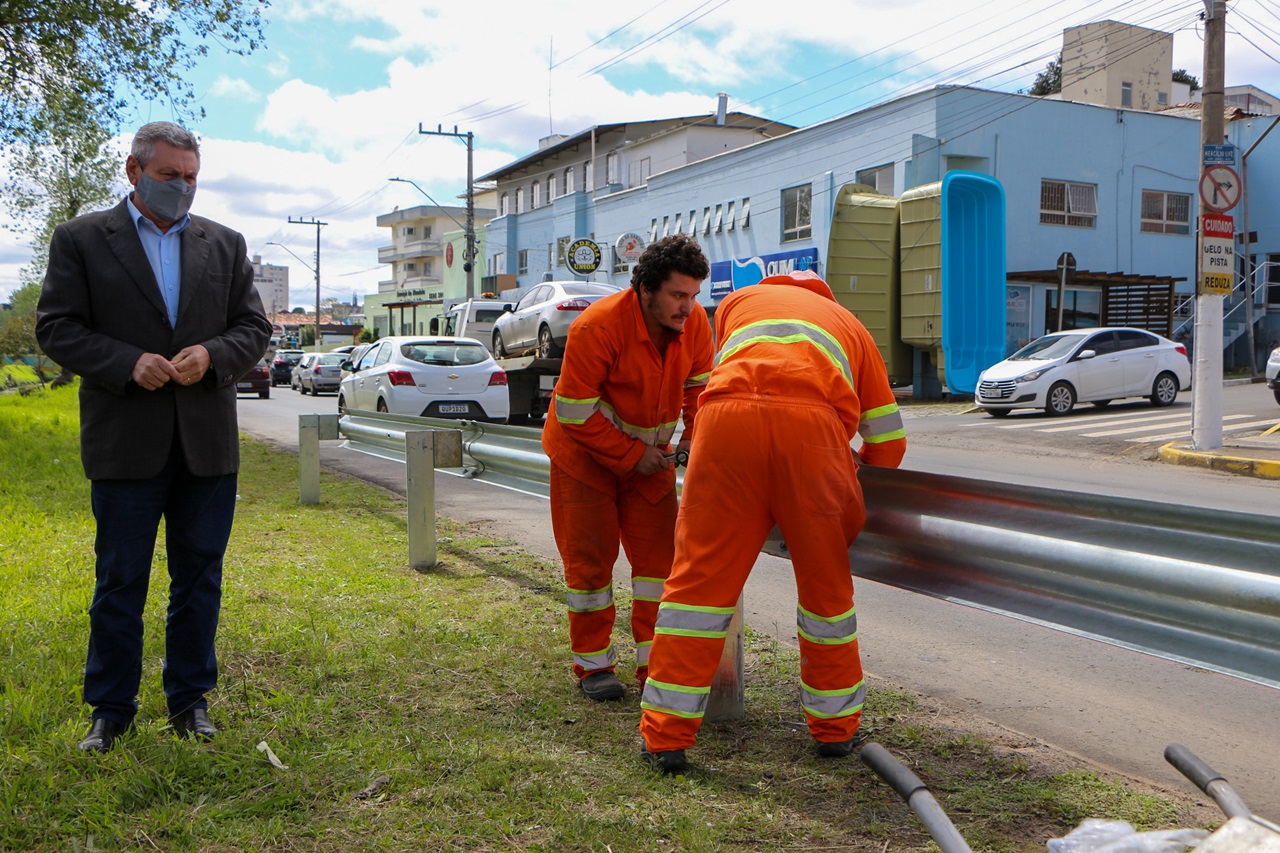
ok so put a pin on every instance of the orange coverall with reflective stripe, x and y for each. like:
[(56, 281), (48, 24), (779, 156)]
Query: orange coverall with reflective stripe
[(796, 377), (617, 393)]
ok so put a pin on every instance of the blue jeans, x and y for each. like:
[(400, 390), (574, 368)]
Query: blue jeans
[(198, 512)]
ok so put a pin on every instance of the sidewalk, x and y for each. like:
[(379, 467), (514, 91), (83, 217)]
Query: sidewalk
[(1255, 455)]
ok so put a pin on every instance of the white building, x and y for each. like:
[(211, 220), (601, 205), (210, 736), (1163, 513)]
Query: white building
[(273, 285)]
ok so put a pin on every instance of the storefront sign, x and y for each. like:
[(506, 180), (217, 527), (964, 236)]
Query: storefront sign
[(727, 276), (629, 247), (1217, 253), (583, 257)]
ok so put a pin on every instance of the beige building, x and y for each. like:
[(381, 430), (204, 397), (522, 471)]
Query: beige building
[(273, 285), (1117, 65)]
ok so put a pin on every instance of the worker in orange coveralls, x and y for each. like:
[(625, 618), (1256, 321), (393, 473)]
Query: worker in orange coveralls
[(796, 378), (634, 360)]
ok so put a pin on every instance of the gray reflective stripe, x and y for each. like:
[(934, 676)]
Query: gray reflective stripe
[(587, 600), (575, 411), (597, 660), (653, 436), (675, 699), (646, 589), (829, 704), (642, 653), (789, 332), (828, 630), (689, 620), (881, 424)]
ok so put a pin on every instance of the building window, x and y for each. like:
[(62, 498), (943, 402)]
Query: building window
[(499, 263), (611, 168), (522, 262), (730, 219), (426, 232), (1126, 94), (797, 213), (562, 249), (551, 186), (589, 176), (1162, 98), (535, 196), (619, 265), (568, 180), (678, 229), (408, 231), (879, 178), (1065, 203), (744, 214), (502, 205), (1166, 213), (639, 172), (519, 199), (653, 230), (410, 266), (666, 225), (706, 220)]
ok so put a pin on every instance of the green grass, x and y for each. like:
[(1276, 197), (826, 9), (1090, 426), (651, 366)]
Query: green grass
[(428, 710)]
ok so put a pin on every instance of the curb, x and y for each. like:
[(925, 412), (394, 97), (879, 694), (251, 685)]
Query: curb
[(1264, 468)]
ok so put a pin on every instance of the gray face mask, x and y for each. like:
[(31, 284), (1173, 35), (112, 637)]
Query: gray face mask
[(169, 200)]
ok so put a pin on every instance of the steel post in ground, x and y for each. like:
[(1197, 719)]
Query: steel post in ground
[(309, 459), (420, 477)]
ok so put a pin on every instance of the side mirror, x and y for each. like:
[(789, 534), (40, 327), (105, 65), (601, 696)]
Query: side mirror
[(1084, 354), (348, 366), (434, 325), (508, 308)]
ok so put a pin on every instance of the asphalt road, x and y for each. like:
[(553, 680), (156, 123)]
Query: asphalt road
[(1116, 707)]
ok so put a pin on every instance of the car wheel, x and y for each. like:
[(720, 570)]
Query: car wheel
[(342, 403), (1277, 393), (264, 394), (382, 406), (1101, 404), (1060, 400), (499, 351), (1164, 390), (546, 345), (302, 389), (997, 413)]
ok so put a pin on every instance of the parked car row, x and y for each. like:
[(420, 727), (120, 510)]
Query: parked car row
[(282, 366)]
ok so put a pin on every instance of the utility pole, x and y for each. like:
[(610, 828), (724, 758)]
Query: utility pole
[(1206, 399), (318, 224), (468, 254)]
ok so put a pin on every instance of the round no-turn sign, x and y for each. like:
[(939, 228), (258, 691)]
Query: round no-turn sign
[(1219, 188)]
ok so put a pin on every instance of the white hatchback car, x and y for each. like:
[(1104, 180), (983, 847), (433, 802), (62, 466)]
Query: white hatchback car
[(1096, 366), (1273, 372), (429, 377)]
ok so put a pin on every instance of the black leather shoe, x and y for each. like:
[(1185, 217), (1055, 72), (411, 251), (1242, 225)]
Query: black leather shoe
[(102, 735), (670, 763), (603, 686), (842, 748), (194, 722)]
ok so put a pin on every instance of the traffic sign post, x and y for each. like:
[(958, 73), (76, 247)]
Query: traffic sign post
[(1217, 253), (1219, 188)]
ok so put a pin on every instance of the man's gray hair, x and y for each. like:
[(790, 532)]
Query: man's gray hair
[(144, 141)]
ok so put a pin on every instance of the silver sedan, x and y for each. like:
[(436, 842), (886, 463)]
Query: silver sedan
[(539, 323)]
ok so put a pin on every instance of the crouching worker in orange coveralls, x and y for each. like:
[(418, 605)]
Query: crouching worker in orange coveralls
[(633, 361), (796, 377)]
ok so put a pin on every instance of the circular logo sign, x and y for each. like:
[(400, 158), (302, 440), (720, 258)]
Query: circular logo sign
[(629, 247), (448, 255), (584, 256)]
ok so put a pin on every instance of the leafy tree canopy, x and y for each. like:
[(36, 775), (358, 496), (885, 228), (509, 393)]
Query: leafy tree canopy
[(1048, 81), (105, 52), (1181, 76)]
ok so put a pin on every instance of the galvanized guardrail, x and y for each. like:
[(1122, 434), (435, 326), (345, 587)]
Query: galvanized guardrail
[(1195, 585)]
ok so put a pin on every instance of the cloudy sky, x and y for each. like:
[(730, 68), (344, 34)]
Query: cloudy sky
[(312, 125)]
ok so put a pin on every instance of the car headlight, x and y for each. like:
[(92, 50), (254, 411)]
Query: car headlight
[(1032, 376)]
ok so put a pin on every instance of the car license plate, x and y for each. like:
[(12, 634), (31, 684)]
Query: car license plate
[(243, 386), (453, 408)]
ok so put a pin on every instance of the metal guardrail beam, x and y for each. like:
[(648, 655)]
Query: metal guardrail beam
[(1194, 585)]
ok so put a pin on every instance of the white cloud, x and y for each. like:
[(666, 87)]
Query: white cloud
[(234, 88)]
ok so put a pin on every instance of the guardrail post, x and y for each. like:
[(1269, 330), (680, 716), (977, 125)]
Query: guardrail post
[(420, 473), (311, 429), (726, 701)]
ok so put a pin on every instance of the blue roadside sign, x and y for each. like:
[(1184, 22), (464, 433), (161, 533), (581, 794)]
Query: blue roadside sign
[(1219, 155)]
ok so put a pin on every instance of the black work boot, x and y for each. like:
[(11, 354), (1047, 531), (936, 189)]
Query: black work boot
[(602, 686)]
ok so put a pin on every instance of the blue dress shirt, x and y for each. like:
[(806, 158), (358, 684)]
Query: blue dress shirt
[(164, 251)]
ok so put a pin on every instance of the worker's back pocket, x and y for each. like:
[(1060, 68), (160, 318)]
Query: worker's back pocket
[(824, 479)]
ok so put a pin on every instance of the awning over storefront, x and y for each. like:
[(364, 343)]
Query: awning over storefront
[(1140, 301)]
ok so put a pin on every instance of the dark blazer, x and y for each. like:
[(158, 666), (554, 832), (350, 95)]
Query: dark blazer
[(101, 309)]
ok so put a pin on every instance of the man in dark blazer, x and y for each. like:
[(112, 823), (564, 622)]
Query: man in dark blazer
[(155, 309)]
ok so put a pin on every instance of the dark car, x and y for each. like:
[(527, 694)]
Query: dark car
[(282, 366), (256, 380)]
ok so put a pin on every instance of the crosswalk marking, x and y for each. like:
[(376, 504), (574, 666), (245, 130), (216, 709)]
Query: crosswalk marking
[(1148, 427), (1133, 419), (1187, 432)]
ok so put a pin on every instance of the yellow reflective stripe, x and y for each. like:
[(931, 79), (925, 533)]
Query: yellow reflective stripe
[(692, 620), (827, 630), (652, 436), (646, 589), (602, 659), (677, 700), (700, 379), (589, 600), (789, 332), (642, 653), (832, 704), (570, 411), (883, 423)]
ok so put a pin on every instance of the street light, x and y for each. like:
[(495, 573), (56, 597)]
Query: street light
[(469, 254), (308, 266)]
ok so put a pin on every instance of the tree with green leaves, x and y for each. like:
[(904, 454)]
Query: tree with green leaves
[(109, 52), (1048, 81), (1181, 76)]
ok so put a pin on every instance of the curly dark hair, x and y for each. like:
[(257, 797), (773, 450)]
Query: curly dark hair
[(676, 253)]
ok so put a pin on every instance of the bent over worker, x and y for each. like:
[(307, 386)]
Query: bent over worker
[(796, 378), (634, 360)]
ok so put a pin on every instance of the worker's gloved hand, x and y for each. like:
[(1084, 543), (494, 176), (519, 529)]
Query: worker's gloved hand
[(653, 461)]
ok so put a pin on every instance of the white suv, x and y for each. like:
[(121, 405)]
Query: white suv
[(1273, 372), (1096, 366)]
